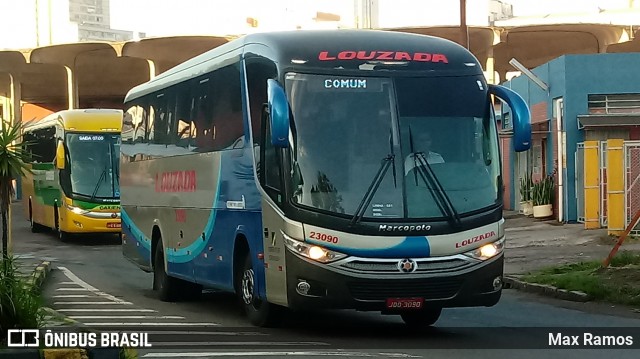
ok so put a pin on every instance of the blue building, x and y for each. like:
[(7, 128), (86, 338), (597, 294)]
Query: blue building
[(589, 97)]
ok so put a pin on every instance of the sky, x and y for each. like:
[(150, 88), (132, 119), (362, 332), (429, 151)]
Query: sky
[(219, 17)]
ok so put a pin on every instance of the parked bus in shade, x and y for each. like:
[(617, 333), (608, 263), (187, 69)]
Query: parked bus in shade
[(73, 186), (320, 170)]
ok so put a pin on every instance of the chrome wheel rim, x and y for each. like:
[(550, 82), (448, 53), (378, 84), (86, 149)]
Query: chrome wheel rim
[(247, 286)]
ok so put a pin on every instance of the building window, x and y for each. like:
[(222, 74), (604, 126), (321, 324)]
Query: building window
[(537, 159), (614, 104)]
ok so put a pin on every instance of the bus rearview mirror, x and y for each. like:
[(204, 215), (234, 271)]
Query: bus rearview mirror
[(60, 156), (279, 114), (520, 116)]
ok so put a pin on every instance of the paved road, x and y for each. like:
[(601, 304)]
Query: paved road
[(95, 285)]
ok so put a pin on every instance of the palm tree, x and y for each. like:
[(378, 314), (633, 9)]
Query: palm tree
[(13, 153)]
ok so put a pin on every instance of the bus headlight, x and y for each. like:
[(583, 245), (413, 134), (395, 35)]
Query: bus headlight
[(76, 210), (488, 250), (312, 251)]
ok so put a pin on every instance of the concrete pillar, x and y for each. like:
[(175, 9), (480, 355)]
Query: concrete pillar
[(72, 89), (615, 187), (16, 116), (152, 69), (16, 98), (490, 68), (591, 184)]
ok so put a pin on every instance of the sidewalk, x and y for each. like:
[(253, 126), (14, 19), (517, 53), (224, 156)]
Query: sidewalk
[(533, 244), (32, 268)]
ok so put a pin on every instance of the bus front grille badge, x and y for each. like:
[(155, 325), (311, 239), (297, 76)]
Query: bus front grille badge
[(407, 265)]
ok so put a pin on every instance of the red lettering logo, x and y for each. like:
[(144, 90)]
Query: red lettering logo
[(176, 181), (384, 55), (475, 239)]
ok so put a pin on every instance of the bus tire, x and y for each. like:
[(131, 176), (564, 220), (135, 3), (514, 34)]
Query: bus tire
[(259, 312), (62, 235), (168, 287), (423, 318)]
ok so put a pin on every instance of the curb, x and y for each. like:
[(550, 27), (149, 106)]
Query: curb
[(546, 290), (40, 274)]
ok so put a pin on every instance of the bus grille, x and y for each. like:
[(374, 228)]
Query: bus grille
[(429, 288), (423, 266)]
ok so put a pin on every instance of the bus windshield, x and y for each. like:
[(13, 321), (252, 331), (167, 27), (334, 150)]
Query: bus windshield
[(94, 164), (437, 134)]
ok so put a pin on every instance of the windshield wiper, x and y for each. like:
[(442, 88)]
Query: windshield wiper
[(375, 183), (103, 175), (436, 189)]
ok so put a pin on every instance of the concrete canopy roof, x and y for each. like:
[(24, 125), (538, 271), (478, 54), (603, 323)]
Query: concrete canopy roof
[(66, 54), (44, 83), (38, 81), (167, 52), (12, 60), (627, 46), (100, 74), (537, 44), (481, 39), (104, 72)]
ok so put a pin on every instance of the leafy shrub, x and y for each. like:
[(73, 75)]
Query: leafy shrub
[(21, 305)]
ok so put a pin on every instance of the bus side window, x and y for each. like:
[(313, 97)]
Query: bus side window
[(159, 121), (183, 125), (226, 103), (259, 70), (134, 128), (43, 148), (201, 115), (269, 171), (162, 123)]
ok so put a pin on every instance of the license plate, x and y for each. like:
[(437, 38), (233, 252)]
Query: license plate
[(405, 303), (114, 225)]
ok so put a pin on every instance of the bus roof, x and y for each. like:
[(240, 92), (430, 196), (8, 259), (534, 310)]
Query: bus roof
[(99, 120), (335, 50)]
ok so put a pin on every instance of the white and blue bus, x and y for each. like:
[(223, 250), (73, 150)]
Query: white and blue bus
[(351, 169)]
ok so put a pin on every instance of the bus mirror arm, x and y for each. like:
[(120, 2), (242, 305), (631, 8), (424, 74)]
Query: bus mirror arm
[(521, 116), (278, 114), (60, 156)]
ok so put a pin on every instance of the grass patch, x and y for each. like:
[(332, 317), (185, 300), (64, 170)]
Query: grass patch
[(129, 353), (21, 305), (620, 283)]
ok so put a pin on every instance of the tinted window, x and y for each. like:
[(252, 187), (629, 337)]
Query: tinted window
[(133, 125), (184, 105), (218, 121), (258, 72), (42, 147)]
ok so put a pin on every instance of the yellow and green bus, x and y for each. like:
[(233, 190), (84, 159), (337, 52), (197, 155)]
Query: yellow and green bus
[(73, 186)]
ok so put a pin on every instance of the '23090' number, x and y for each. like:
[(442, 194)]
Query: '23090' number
[(324, 237)]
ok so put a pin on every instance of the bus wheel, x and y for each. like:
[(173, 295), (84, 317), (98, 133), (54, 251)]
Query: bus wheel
[(260, 312), (167, 287), (422, 318), (62, 235)]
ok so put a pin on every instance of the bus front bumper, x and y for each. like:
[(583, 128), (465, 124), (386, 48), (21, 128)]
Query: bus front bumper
[(78, 223), (331, 289)]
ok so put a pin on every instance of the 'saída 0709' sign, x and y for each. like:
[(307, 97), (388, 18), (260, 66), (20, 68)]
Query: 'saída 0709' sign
[(176, 181), (91, 137)]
